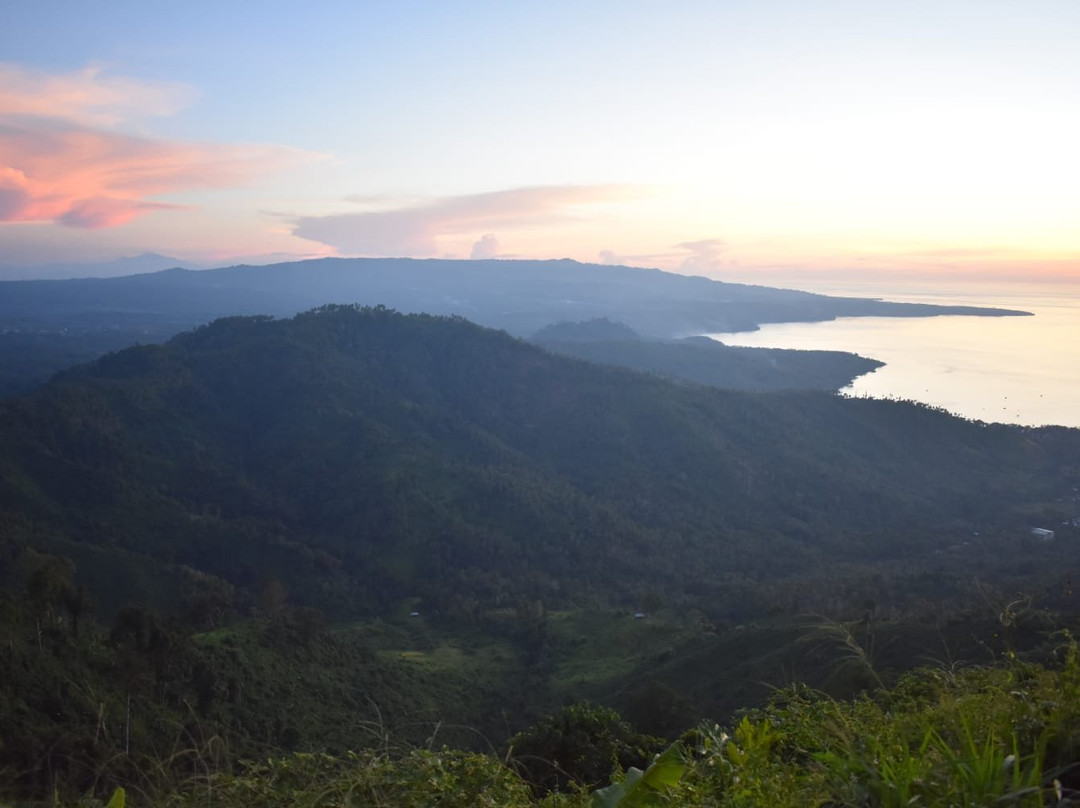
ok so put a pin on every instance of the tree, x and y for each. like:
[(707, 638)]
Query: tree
[(580, 744)]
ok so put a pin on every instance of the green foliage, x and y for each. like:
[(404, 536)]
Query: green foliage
[(580, 744), (641, 789), (854, 654), (934, 740), (658, 709), (976, 737), (147, 699), (444, 779), (992, 771)]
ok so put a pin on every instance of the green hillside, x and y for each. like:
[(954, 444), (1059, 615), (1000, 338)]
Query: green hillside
[(356, 529), (702, 360), (362, 456)]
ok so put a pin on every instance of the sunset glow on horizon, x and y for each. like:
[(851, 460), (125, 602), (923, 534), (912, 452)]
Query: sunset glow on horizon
[(736, 140)]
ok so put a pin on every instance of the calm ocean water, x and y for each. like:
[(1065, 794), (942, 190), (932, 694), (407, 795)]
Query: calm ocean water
[(1020, 370)]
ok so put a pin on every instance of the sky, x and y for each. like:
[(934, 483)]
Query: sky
[(738, 140)]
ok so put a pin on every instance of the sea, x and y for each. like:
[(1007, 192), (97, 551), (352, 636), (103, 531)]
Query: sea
[(1017, 370)]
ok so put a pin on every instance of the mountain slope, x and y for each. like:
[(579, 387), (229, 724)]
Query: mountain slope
[(362, 456), (703, 360)]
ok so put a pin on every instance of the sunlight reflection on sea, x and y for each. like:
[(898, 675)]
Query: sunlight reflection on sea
[(1022, 370)]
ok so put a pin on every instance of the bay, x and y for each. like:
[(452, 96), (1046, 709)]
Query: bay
[(1020, 370)]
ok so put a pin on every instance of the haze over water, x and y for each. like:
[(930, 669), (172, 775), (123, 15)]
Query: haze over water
[(1021, 370)]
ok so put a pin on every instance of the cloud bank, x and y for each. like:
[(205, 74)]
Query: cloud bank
[(415, 229), (62, 160)]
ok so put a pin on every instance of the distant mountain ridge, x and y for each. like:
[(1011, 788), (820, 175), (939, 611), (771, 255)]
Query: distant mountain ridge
[(46, 326), (129, 265), (517, 296)]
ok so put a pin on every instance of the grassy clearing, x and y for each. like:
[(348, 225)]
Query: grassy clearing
[(599, 650)]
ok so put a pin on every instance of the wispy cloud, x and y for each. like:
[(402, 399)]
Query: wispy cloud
[(89, 96), (62, 159), (704, 255), (700, 256), (613, 258), (415, 229), (965, 253)]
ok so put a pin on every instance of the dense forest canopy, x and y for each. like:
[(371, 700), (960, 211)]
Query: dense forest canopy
[(448, 531), (364, 456)]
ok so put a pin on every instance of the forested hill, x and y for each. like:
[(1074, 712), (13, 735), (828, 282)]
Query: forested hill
[(362, 456), (703, 360), (46, 326)]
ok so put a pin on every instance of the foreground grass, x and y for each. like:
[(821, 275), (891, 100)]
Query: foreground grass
[(1007, 735)]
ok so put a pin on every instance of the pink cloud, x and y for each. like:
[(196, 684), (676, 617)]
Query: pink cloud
[(59, 162), (101, 212)]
